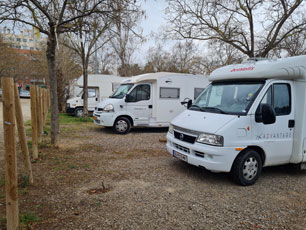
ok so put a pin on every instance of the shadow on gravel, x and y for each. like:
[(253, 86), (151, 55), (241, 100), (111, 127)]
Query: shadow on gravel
[(283, 170), (109, 130), (200, 174)]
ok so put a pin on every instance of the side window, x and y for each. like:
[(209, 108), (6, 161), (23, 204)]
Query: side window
[(140, 93), (91, 93), (197, 92), (166, 92), (281, 96), (267, 99)]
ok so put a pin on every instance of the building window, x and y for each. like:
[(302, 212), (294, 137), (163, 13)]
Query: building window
[(3, 38), (18, 39), (12, 39), (166, 92), (25, 40), (24, 47), (31, 48), (31, 40)]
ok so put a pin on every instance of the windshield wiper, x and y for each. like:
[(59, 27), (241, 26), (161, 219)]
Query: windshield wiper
[(195, 107), (213, 108)]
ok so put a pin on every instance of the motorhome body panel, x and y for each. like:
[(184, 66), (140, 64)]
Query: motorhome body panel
[(281, 142)]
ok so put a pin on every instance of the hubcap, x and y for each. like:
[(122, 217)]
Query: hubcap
[(250, 168), (121, 126), (79, 113)]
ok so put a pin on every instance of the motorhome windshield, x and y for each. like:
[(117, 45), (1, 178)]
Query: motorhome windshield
[(121, 91), (228, 97)]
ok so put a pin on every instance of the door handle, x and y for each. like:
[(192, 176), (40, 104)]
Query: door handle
[(291, 123), (150, 106)]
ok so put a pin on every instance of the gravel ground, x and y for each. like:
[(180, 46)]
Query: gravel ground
[(100, 180)]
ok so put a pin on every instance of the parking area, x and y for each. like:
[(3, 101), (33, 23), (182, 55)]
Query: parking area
[(101, 180)]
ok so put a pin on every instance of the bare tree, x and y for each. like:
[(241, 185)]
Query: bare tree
[(254, 27), (87, 39), (125, 38), (67, 69), (52, 18)]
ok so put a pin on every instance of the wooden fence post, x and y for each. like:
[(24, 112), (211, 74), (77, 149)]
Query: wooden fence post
[(44, 106), (12, 212), (34, 122), (38, 110), (22, 135)]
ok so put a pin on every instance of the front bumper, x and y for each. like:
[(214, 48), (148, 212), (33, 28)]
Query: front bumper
[(213, 158), (104, 119)]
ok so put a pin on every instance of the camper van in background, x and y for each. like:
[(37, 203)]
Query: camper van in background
[(148, 100), (99, 87), (252, 115)]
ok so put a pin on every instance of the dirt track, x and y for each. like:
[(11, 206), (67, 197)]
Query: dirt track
[(26, 108)]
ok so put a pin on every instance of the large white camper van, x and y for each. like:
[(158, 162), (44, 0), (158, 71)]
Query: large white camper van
[(148, 100), (99, 87), (252, 115)]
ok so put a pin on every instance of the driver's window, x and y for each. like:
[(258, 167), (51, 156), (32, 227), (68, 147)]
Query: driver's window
[(140, 93)]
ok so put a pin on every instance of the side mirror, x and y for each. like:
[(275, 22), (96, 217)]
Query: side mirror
[(265, 114), (187, 102), (127, 98)]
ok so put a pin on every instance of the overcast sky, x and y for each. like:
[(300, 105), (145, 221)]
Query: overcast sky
[(155, 18)]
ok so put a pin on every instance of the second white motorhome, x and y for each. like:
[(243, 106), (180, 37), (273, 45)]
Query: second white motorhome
[(100, 86), (252, 115), (148, 100)]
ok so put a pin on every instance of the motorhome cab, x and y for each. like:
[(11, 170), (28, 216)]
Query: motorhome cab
[(99, 87), (148, 100), (252, 115)]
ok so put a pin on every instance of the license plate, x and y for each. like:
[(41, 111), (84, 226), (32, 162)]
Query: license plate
[(180, 156)]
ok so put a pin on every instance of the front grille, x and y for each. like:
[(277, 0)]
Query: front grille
[(100, 109), (182, 148), (184, 137)]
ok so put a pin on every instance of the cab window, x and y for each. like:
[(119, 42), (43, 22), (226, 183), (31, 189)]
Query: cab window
[(140, 93), (279, 97)]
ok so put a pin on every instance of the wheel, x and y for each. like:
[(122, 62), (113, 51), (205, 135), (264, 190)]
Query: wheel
[(78, 112), (122, 125), (247, 168)]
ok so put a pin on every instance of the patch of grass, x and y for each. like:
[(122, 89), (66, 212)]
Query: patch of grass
[(27, 218), (72, 166), (68, 119), (28, 123), (24, 181)]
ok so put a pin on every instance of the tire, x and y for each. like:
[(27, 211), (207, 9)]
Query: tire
[(122, 125), (78, 112), (247, 168)]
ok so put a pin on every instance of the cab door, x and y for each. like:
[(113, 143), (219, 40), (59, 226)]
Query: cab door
[(139, 104), (93, 98), (276, 139)]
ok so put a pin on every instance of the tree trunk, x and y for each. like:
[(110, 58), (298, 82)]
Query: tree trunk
[(85, 89), (51, 45)]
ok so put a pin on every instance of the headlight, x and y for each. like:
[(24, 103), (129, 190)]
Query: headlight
[(170, 129), (210, 139), (108, 108)]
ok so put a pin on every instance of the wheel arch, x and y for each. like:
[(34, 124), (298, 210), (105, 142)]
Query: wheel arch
[(126, 116), (258, 149)]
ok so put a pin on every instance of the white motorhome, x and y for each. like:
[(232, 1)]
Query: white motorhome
[(148, 100), (100, 86), (252, 115)]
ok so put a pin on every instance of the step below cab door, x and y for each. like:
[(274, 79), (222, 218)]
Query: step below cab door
[(276, 139)]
